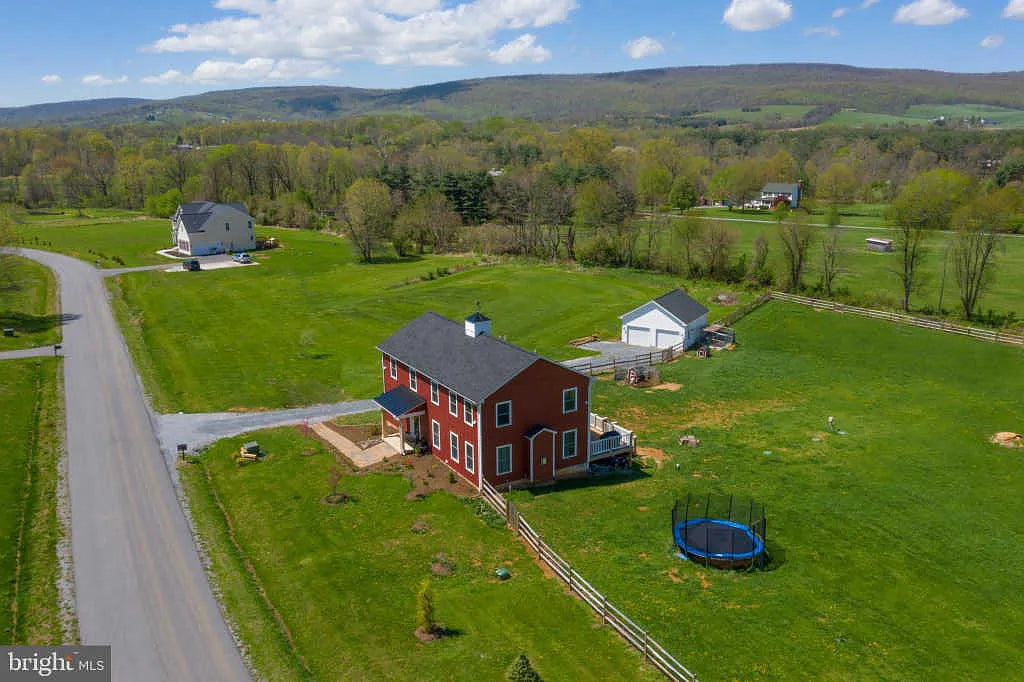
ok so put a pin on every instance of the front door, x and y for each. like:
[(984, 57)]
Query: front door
[(414, 428)]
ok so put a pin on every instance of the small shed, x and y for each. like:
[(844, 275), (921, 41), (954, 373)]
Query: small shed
[(878, 244), (671, 319)]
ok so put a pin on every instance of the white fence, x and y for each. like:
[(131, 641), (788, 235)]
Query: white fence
[(993, 336), (652, 651)]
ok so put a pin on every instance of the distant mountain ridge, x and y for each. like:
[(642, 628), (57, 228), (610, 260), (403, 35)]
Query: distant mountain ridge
[(651, 93)]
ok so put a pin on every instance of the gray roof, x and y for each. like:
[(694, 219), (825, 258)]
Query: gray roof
[(472, 367), (682, 305), (194, 214), (790, 188)]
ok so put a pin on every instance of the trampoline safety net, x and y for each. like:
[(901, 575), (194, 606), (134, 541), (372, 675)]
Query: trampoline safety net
[(720, 531)]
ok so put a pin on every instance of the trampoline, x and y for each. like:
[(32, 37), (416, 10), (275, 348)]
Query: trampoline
[(724, 544), (720, 531)]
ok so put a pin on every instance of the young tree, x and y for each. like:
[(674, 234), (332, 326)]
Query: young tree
[(426, 622), (978, 226), (829, 259), (368, 213), (760, 272), (716, 247), (652, 188), (522, 671), (795, 237), (683, 194), (926, 203), (686, 234)]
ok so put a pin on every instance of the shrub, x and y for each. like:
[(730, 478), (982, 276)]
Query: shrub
[(522, 671)]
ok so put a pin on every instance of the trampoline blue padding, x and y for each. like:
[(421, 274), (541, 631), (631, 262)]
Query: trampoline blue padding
[(718, 540)]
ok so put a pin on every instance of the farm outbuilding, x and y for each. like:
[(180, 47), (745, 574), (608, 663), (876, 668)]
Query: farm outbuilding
[(666, 321), (878, 244)]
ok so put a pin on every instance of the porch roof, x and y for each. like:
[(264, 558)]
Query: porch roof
[(400, 401)]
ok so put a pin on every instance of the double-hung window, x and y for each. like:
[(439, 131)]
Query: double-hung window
[(434, 393), (453, 446), (569, 444), (435, 434), (503, 413), (470, 412), (394, 368), (470, 456), (569, 400), (504, 457), (412, 379), (453, 403)]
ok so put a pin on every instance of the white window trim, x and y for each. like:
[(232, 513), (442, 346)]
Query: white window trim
[(470, 460), (497, 459), (435, 434), (575, 400), (469, 412), (453, 403), (498, 424), (453, 446), (575, 443), (435, 392), (412, 379), (394, 368)]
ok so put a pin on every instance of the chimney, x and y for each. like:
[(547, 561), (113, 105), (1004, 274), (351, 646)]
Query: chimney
[(477, 324)]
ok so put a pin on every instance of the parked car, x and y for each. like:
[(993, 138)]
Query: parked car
[(242, 258), (190, 264)]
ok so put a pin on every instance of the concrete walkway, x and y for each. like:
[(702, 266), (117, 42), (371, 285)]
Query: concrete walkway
[(361, 458)]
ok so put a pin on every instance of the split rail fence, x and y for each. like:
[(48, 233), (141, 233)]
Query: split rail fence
[(610, 615), (994, 336)]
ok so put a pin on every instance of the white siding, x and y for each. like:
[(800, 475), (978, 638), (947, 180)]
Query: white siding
[(649, 325)]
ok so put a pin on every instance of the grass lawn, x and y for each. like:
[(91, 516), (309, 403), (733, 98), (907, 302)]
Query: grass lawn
[(28, 304), (114, 238), (344, 579), (30, 415), (897, 546), (857, 214), (302, 326)]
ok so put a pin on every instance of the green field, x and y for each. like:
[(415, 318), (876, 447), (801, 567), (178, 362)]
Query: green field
[(925, 114), (28, 304), (302, 326), (766, 113), (114, 238), (897, 547), (851, 215), (29, 529), (344, 579)]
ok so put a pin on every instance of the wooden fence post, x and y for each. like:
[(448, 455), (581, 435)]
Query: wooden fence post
[(645, 646)]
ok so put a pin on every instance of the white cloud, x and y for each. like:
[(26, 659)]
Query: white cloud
[(823, 31), (255, 69), (930, 13), (643, 47), (992, 42), (1014, 10), (52, 79), (328, 32), (522, 49), (757, 15), (839, 12), (868, 3), (99, 81)]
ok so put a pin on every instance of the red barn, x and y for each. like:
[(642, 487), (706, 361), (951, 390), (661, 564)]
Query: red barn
[(487, 408)]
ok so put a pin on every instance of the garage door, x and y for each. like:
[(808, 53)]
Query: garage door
[(638, 336), (665, 338)]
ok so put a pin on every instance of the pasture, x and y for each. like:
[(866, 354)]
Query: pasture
[(28, 304), (344, 578), (896, 547), (115, 238)]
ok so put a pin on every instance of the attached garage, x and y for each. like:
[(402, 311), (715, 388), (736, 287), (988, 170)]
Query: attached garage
[(669, 320)]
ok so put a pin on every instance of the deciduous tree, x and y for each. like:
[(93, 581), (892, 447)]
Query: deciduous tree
[(367, 214)]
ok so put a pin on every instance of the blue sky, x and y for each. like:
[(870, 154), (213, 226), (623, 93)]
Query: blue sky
[(56, 50)]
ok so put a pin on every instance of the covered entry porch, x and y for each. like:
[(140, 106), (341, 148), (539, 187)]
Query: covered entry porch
[(402, 415)]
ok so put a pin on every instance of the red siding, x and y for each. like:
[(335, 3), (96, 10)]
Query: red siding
[(536, 396), (449, 424)]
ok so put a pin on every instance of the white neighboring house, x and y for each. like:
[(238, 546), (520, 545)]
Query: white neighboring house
[(666, 321), (200, 228)]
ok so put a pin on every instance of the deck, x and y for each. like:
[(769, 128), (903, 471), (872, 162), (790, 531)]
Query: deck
[(607, 438)]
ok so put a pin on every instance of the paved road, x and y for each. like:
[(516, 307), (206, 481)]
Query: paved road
[(36, 352), (197, 430), (139, 583)]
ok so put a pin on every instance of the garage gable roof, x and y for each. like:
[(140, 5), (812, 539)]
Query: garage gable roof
[(678, 304)]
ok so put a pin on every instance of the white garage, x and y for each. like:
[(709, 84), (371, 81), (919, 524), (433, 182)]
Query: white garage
[(672, 319)]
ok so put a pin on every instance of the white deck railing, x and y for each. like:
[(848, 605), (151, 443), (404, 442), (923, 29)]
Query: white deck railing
[(624, 439)]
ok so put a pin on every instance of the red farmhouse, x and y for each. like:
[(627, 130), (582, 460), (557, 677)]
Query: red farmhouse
[(488, 409)]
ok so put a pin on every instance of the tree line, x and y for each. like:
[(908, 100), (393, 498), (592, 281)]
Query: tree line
[(590, 193)]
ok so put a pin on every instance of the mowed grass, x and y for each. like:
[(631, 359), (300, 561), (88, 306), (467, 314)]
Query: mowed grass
[(28, 304), (925, 114), (302, 326), (30, 419), (344, 579), (897, 547), (114, 238)]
